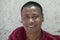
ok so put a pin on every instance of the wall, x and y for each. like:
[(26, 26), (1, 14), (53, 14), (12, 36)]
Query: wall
[(10, 16)]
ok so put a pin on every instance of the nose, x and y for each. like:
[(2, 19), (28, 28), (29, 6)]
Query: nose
[(31, 20)]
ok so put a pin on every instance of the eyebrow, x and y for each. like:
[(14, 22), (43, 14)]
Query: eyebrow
[(34, 14)]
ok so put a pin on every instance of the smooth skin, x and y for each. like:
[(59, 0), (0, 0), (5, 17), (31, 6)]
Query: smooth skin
[(32, 20)]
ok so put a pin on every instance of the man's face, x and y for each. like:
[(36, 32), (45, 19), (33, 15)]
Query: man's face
[(32, 18)]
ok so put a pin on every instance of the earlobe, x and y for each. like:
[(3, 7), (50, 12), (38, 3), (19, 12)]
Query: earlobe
[(21, 21), (42, 19)]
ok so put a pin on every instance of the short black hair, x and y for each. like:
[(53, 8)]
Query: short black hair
[(32, 3)]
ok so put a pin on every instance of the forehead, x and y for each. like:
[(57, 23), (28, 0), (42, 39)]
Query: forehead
[(31, 9)]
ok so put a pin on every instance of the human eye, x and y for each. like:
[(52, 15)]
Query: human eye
[(35, 17), (25, 17)]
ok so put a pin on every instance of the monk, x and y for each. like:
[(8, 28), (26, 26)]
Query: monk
[(32, 18)]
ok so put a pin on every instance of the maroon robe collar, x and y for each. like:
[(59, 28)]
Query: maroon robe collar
[(42, 37)]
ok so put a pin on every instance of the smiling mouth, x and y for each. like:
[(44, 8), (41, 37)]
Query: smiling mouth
[(31, 26)]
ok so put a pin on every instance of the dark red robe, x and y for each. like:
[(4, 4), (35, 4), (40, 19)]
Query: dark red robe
[(20, 34)]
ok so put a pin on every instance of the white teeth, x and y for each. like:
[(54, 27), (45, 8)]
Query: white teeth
[(30, 26)]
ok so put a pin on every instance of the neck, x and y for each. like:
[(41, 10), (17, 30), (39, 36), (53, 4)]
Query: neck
[(33, 36)]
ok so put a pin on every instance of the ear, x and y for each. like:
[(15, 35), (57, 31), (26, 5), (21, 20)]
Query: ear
[(42, 19), (21, 21)]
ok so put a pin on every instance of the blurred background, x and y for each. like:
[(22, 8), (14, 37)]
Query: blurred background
[(10, 16)]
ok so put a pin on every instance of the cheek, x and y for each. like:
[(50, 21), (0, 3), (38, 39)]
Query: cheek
[(38, 21), (24, 22)]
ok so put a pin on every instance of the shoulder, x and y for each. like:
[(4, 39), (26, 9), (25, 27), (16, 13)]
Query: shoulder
[(49, 36), (18, 32)]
